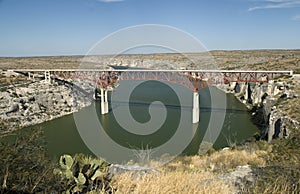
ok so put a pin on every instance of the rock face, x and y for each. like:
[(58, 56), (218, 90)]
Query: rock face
[(266, 98), (39, 102), (237, 177), (115, 169)]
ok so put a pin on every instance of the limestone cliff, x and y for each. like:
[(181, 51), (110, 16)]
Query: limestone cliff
[(266, 100), (36, 102)]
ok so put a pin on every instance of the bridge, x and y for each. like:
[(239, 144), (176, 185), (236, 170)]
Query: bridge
[(106, 79)]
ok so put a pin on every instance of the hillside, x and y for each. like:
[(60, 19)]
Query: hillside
[(248, 59)]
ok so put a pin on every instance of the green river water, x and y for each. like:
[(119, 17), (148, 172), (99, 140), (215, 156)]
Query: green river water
[(63, 134)]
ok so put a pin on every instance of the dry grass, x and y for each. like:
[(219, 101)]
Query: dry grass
[(293, 104), (258, 59), (280, 185), (276, 179), (170, 182), (191, 174), (221, 161), (238, 59)]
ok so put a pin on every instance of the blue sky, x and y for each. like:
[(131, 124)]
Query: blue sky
[(72, 27)]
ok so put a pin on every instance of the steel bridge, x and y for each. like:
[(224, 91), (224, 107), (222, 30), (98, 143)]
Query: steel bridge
[(192, 79), (197, 79)]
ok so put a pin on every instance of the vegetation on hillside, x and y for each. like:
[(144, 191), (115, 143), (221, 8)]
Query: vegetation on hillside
[(281, 174), (27, 169), (247, 59)]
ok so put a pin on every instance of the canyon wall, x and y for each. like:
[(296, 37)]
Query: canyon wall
[(266, 101), (38, 101)]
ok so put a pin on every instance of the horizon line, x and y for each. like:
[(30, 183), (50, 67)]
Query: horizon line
[(154, 53)]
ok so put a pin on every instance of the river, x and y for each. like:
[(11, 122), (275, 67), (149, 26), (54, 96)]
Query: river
[(63, 135)]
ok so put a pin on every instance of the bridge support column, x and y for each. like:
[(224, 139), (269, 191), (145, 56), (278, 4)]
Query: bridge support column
[(246, 92), (30, 76), (196, 110), (104, 101), (47, 77)]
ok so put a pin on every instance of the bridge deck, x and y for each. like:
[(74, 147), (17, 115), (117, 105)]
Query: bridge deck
[(149, 70), (192, 79)]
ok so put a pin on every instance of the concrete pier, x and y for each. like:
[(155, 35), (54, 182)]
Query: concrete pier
[(196, 110), (30, 76), (104, 101), (47, 76)]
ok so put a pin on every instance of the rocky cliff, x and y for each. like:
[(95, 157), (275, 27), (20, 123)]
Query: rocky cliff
[(36, 102), (266, 101)]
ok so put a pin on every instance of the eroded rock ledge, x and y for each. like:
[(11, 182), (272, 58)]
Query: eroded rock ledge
[(266, 101), (37, 102)]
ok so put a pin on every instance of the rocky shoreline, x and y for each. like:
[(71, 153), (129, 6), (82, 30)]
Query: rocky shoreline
[(37, 102), (263, 100)]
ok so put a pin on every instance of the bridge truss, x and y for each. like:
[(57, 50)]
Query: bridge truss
[(192, 79)]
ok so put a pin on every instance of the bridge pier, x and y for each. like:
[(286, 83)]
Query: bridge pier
[(30, 76), (196, 110), (47, 76), (104, 101)]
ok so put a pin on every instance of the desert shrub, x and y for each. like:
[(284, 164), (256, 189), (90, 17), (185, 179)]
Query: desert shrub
[(206, 147), (282, 171), (275, 179), (297, 71), (26, 167)]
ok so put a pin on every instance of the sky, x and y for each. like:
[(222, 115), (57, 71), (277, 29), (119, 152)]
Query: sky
[(73, 27)]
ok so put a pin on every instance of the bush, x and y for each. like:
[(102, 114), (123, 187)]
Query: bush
[(26, 167)]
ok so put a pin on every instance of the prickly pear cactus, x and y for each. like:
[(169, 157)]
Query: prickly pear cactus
[(66, 162), (97, 174), (80, 180), (83, 173)]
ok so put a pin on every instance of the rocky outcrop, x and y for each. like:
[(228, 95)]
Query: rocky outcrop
[(266, 98), (236, 179), (135, 170), (38, 102)]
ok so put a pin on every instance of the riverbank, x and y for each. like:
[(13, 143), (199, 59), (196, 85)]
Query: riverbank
[(270, 104), (25, 103)]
